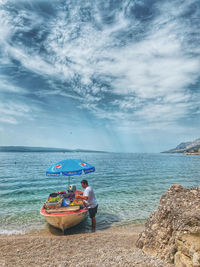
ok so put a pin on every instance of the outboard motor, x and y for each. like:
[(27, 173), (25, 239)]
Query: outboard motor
[(71, 189)]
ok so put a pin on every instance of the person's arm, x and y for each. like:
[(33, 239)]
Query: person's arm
[(81, 197)]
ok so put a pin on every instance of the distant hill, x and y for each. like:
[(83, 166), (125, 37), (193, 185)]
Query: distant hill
[(187, 147), (44, 149)]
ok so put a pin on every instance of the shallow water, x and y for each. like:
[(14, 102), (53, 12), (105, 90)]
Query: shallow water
[(127, 186)]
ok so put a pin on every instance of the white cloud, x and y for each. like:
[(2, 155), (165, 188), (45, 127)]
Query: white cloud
[(3, 2), (6, 86), (12, 112), (149, 69), (155, 68), (8, 119)]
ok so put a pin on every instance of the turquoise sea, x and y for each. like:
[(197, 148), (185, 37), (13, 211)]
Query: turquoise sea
[(127, 186)]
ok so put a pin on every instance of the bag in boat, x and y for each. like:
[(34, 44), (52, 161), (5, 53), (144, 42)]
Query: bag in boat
[(66, 202)]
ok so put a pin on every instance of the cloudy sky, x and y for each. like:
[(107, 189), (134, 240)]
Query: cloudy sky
[(120, 76)]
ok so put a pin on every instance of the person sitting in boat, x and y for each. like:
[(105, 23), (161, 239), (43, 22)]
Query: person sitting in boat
[(89, 201)]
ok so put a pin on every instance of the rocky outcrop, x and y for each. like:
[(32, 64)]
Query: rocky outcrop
[(187, 147), (172, 232)]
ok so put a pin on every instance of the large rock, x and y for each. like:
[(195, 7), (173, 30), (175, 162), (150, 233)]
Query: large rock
[(172, 232)]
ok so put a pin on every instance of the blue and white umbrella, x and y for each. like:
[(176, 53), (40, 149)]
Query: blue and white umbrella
[(69, 167)]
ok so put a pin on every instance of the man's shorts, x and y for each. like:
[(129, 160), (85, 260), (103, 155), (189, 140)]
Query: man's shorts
[(93, 211)]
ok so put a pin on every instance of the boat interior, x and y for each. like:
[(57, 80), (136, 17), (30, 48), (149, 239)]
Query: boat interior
[(64, 201)]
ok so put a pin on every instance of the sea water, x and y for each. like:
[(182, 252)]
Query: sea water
[(127, 186)]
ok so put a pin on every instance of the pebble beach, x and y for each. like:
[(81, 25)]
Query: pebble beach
[(115, 246)]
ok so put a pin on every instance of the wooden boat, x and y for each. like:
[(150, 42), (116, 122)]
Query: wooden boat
[(64, 217)]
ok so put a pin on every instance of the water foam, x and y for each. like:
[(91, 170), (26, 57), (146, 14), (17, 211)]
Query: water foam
[(11, 232)]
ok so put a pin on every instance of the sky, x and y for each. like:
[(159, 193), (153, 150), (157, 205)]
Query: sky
[(118, 76)]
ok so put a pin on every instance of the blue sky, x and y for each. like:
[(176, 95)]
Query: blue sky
[(121, 76)]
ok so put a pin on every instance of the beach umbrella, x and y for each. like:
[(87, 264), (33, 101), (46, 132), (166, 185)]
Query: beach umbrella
[(69, 167)]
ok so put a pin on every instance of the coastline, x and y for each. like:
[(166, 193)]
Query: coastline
[(114, 246), (192, 153)]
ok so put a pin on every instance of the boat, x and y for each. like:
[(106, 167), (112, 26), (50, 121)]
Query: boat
[(64, 217)]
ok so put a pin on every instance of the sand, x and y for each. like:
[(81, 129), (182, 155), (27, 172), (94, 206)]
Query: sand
[(111, 247)]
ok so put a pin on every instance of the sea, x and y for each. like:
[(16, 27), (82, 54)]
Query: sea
[(128, 186)]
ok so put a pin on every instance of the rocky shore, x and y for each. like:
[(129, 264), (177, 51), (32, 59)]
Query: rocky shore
[(111, 247), (172, 232)]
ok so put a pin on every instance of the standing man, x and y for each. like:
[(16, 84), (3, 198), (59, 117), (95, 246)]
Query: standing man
[(89, 201)]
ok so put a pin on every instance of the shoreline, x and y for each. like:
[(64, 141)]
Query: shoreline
[(114, 246), (50, 231), (82, 228)]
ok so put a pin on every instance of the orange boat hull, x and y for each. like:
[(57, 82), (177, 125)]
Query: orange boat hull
[(64, 220)]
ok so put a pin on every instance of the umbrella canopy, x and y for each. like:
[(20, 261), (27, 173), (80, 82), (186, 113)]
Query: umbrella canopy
[(69, 167)]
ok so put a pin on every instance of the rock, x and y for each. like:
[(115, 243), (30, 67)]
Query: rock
[(196, 259), (176, 187), (182, 260), (172, 232)]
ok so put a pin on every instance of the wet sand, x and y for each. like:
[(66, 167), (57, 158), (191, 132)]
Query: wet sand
[(114, 246)]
